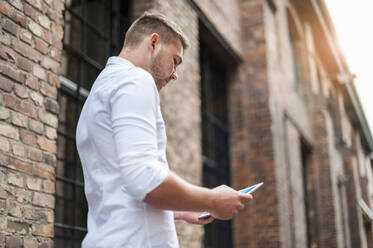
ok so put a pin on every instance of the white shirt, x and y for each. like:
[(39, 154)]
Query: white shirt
[(121, 140)]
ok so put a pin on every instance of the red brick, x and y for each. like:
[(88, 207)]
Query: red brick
[(25, 50), (9, 131), (32, 82), (57, 5), (4, 144), (47, 37), (4, 8), (21, 91), (8, 54), (4, 159), (19, 149), (33, 183), (19, 194), (55, 54), (19, 18), (11, 27), (12, 73), (2, 208), (20, 106), (24, 64), (18, 227), (53, 80), (6, 84), (48, 90), (46, 243), (58, 30), (51, 64), (49, 186), (15, 242), (46, 144), (19, 165), (43, 200), (35, 155), (45, 230), (48, 118), (17, 4), (49, 159), (51, 106), (28, 137), (25, 36), (31, 12), (35, 3), (44, 171), (30, 242), (41, 46), (36, 126), (55, 41), (28, 213), (15, 209), (19, 119), (52, 14)]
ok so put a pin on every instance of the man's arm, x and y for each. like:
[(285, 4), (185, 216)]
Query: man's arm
[(175, 193)]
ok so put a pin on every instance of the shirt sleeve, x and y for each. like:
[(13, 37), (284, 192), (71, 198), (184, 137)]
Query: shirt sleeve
[(133, 113)]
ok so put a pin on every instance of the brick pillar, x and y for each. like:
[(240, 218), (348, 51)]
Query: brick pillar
[(30, 54), (258, 225), (352, 203), (323, 219)]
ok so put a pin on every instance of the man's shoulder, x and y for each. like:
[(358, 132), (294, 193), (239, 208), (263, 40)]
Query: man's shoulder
[(114, 78), (139, 75)]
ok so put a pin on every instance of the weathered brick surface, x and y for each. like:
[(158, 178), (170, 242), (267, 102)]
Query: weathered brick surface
[(29, 69), (186, 160), (269, 121)]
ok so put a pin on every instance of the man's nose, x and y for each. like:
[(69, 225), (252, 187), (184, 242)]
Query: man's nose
[(174, 76)]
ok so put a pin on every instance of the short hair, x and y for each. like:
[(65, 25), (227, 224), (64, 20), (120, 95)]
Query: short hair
[(150, 23)]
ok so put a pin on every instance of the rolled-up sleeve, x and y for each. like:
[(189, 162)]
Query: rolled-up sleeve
[(133, 116)]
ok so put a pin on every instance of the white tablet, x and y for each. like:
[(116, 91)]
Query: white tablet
[(245, 191)]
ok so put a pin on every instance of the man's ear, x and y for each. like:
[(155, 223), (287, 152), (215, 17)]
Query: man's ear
[(154, 40)]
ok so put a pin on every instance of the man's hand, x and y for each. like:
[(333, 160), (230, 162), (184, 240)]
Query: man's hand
[(176, 194), (192, 217), (227, 202)]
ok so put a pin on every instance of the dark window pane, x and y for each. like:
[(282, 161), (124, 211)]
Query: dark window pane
[(73, 31), (215, 147), (70, 66), (89, 75), (88, 37), (96, 47)]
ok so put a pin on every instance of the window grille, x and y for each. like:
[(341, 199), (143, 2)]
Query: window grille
[(215, 139), (93, 31)]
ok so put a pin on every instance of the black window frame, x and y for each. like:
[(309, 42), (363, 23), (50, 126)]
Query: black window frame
[(215, 70), (73, 93)]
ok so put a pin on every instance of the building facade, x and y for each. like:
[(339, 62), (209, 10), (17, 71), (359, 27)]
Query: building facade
[(264, 94)]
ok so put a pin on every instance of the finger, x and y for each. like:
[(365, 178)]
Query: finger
[(242, 206), (207, 220), (246, 197)]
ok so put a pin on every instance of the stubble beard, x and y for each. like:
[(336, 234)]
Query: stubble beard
[(156, 70)]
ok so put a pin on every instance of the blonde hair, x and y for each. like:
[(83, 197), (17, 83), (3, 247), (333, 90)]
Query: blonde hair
[(150, 23)]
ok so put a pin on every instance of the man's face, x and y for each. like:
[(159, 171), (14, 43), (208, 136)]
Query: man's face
[(164, 62)]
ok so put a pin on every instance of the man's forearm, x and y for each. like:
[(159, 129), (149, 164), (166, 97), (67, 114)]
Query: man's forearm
[(176, 194)]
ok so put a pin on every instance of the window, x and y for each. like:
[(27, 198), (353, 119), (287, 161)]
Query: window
[(215, 138), (294, 39), (94, 30), (306, 153)]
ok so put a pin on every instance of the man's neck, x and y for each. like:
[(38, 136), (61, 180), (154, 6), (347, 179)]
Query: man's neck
[(135, 56)]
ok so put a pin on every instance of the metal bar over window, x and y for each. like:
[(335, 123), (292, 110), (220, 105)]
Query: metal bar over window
[(89, 39)]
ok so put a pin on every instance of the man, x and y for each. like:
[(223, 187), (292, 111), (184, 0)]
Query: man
[(132, 196)]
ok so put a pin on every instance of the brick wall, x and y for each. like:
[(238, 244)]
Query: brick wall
[(30, 49), (269, 119), (180, 104)]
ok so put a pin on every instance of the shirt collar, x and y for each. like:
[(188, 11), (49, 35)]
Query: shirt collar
[(119, 61)]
